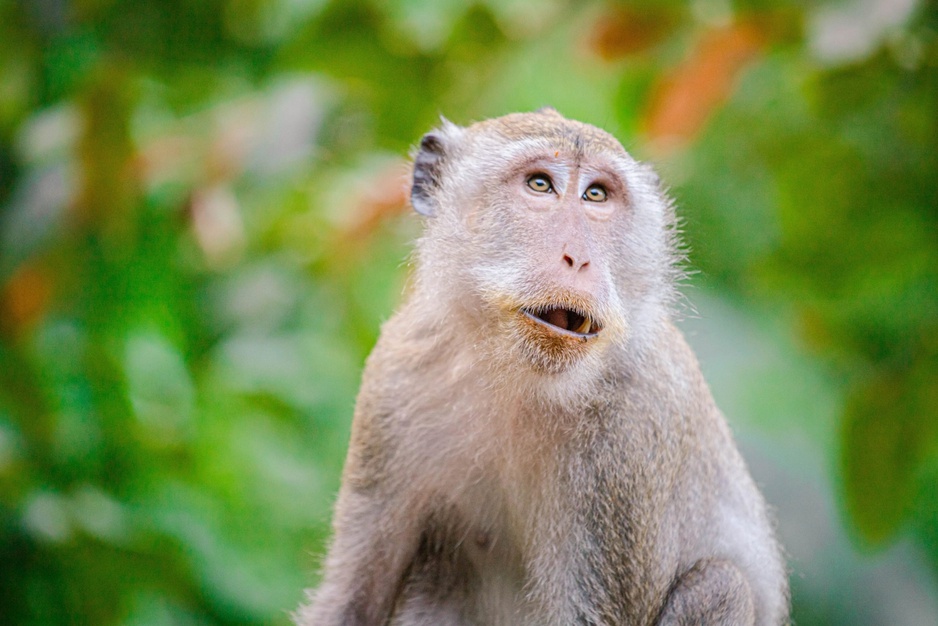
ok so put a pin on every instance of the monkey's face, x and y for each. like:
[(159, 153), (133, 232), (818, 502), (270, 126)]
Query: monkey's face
[(547, 231), (549, 228)]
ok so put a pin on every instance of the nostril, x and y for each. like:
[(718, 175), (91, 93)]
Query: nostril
[(571, 262)]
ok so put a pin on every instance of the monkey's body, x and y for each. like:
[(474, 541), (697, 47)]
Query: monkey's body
[(504, 472)]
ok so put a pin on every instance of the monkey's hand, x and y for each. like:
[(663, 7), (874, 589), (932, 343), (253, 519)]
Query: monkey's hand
[(712, 592)]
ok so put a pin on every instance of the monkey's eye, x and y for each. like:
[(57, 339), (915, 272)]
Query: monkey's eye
[(541, 183), (595, 193)]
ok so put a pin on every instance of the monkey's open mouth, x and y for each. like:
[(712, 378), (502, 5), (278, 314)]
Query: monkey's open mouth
[(565, 321)]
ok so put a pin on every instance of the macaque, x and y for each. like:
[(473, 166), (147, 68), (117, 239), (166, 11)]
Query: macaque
[(533, 442)]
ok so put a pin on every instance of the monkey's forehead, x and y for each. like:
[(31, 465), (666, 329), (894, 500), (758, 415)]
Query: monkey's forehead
[(565, 134)]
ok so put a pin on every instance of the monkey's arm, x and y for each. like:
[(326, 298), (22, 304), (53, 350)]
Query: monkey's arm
[(713, 592), (373, 546)]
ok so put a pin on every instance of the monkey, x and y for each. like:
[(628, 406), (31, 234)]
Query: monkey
[(533, 441)]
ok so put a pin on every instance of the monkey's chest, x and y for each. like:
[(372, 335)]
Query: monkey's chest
[(465, 571), (481, 562)]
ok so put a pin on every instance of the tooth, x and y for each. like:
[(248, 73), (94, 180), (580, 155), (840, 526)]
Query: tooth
[(585, 326)]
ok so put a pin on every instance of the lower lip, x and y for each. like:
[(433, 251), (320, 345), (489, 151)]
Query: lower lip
[(558, 330)]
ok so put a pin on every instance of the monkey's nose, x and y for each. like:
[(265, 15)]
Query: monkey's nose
[(577, 264)]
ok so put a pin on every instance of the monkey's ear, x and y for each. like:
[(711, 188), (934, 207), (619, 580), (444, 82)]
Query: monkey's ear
[(548, 110), (427, 171)]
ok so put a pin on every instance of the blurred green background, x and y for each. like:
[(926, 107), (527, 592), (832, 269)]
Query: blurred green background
[(203, 224)]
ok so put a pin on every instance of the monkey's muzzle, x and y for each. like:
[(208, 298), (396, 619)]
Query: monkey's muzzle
[(564, 321)]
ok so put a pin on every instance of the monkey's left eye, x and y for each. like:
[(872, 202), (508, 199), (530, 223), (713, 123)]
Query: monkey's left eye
[(595, 193), (540, 182)]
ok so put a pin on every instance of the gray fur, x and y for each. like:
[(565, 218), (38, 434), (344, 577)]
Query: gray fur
[(501, 473)]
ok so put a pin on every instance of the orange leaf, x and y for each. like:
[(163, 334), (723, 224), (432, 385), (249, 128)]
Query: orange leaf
[(386, 197), (683, 101), (26, 296), (623, 31)]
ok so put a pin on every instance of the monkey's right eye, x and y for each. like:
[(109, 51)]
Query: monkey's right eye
[(541, 183)]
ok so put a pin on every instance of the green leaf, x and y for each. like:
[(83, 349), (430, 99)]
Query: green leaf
[(888, 437)]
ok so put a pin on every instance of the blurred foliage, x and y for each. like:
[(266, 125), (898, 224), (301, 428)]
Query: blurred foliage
[(199, 201)]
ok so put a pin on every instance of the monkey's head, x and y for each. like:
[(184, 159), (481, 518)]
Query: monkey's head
[(544, 236)]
